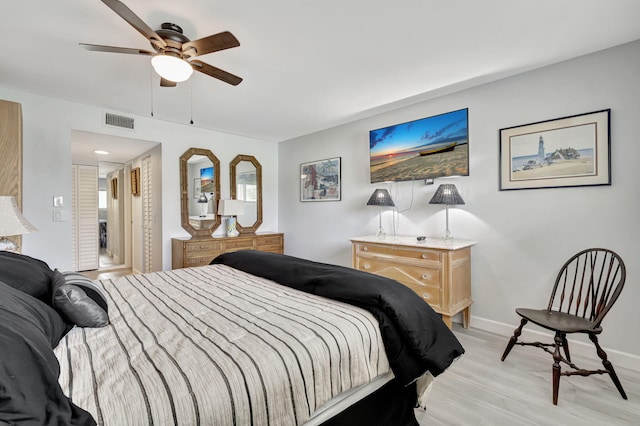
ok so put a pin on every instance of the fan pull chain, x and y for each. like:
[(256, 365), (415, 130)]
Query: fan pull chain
[(151, 84), (191, 100)]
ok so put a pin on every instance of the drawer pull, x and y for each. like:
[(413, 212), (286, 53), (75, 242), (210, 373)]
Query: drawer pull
[(425, 276), (424, 255), (366, 266), (425, 295), (365, 248)]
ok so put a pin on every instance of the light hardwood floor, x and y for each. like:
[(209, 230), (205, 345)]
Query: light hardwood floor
[(108, 269), (479, 389)]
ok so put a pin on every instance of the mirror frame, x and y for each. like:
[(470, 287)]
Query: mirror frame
[(184, 191), (232, 175)]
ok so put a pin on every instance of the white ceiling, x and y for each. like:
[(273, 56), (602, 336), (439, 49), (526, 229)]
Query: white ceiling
[(120, 150), (307, 65)]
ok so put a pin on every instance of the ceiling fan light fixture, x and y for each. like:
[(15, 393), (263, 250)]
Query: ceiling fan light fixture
[(171, 67)]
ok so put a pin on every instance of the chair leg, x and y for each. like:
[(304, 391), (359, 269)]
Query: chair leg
[(565, 346), (558, 341), (607, 365), (514, 339)]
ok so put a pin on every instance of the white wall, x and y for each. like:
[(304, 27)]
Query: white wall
[(523, 236), (47, 125)]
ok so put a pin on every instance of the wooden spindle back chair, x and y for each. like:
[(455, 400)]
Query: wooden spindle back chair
[(586, 288)]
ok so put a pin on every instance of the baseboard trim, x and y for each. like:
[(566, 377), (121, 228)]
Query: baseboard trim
[(586, 349)]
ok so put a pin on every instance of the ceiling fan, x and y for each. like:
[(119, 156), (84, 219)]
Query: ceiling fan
[(172, 58)]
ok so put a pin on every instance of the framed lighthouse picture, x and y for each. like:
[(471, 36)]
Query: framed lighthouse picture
[(568, 151)]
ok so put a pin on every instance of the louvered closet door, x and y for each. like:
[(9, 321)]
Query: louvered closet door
[(74, 227), (147, 213), (113, 224), (85, 220)]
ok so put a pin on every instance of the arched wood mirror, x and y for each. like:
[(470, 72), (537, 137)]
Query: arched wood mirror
[(200, 190), (246, 185)]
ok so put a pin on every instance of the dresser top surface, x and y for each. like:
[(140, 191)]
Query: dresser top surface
[(222, 237), (411, 241)]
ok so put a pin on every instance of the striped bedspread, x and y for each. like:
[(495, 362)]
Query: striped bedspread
[(216, 346)]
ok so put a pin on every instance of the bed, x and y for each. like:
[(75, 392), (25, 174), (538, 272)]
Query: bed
[(252, 339)]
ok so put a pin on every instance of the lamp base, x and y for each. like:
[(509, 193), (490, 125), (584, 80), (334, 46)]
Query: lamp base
[(231, 227), (8, 245)]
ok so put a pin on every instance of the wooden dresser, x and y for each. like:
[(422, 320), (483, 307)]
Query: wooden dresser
[(186, 252), (438, 271)]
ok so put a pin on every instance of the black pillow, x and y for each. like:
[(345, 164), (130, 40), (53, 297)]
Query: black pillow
[(29, 275), (29, 392), (79, 300)]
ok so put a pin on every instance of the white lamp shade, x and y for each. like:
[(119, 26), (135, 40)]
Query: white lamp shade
[(11, 220), (230, 207), (172, 68)]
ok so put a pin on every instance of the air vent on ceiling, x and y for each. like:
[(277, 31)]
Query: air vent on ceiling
[(121, 121)]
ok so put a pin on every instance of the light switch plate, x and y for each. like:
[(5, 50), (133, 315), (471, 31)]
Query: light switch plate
[(58, 201), (58, 215)]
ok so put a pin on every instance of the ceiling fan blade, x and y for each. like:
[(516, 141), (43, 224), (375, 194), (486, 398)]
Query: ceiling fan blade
[(113, 49), (213, 43), (127, 14), (216, 72), (167, 83)]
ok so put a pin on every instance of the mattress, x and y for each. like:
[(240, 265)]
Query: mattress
[(214, 345)]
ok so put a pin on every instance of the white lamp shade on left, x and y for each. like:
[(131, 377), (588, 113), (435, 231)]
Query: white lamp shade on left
[(12, 222)]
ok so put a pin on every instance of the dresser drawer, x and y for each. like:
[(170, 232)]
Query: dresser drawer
[(432, 295), (238, 243), (398, 253), (203, 246), (271, 249), (269, 242), (198, 261), (426, 282)]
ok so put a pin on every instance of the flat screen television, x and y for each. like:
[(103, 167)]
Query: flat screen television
[(427, 148)]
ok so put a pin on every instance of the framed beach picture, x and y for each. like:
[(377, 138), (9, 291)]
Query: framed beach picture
[(320, 180), (568, 151), (207, 183)]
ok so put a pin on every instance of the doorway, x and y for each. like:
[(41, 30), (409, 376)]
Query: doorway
[(105, 217), (111, 218)]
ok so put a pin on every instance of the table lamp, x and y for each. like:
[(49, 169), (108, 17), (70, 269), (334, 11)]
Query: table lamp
[(231, 209), (448, 195), (204, 201), (12, 223), (381, 198)]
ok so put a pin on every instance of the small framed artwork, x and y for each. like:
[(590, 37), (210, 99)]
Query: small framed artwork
[(114, 188), (320, 180), (207, 182), (135, 181), (197, 188), (568, 151)]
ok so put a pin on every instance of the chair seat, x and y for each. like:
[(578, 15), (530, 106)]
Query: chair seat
[(554, 320)]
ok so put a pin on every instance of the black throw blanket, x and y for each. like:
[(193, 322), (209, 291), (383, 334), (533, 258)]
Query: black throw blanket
[(416, 339)]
